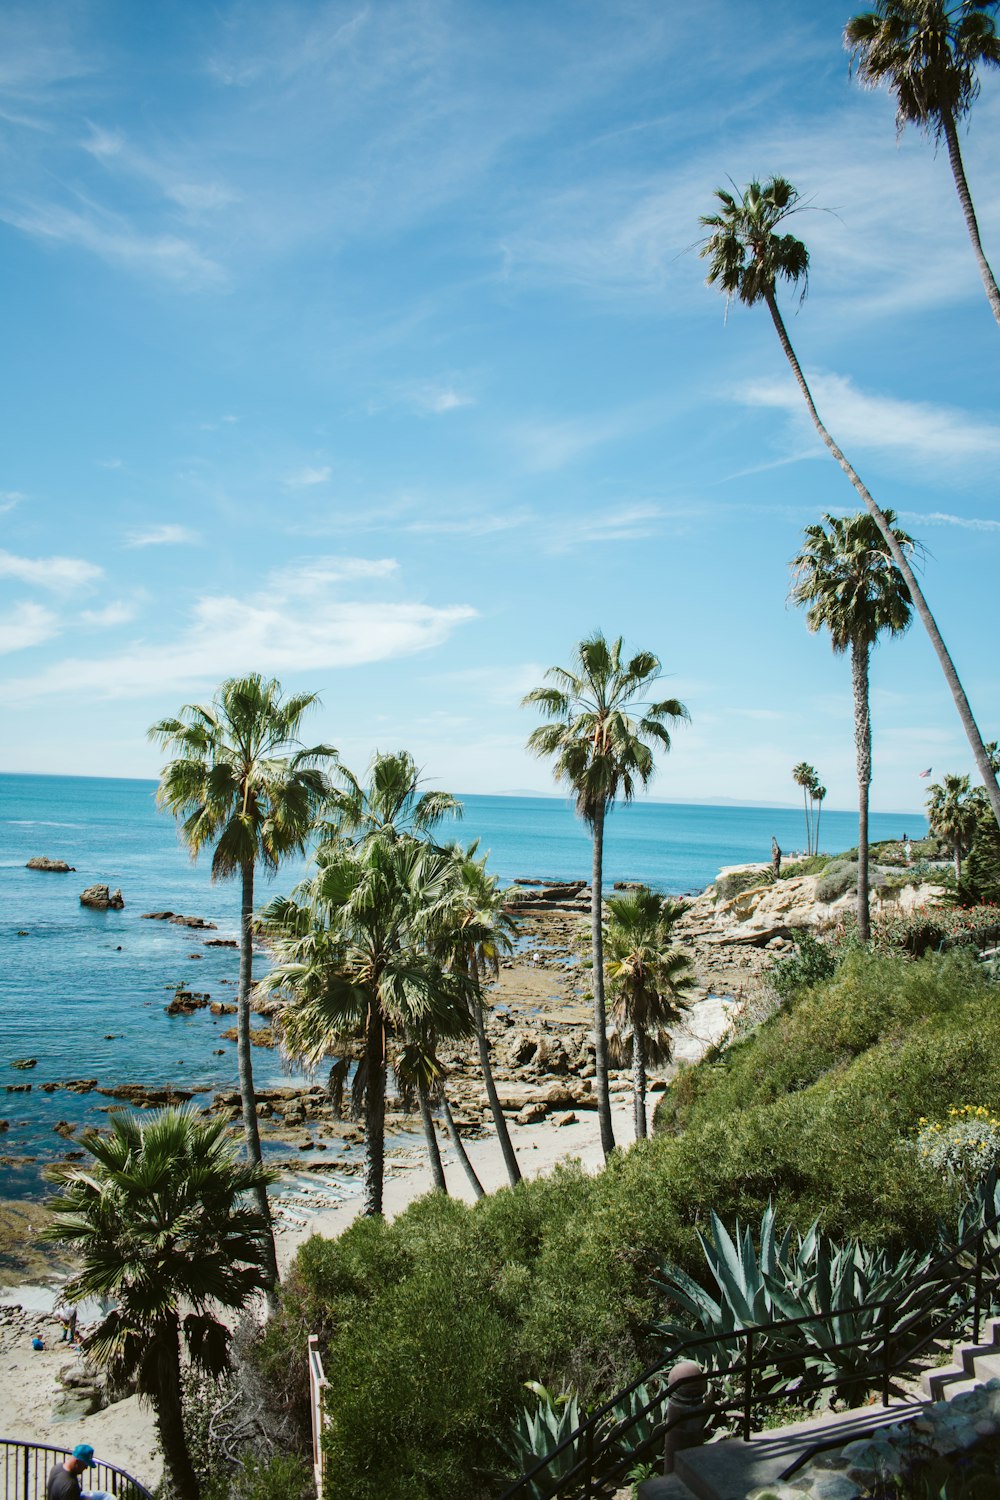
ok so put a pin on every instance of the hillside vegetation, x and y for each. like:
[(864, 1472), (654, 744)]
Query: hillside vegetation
[(431, 1324)]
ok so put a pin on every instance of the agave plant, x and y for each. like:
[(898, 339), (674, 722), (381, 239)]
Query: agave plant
[(835, 1295), (537, 1430)]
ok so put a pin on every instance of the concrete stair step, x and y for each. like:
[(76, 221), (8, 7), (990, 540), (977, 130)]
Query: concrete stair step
[(664, 1487)]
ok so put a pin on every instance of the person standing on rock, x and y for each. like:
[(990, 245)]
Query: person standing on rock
[(63, 1482)]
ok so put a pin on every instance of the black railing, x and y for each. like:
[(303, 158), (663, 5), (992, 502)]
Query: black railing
[(26, 1468), (752, 1368)]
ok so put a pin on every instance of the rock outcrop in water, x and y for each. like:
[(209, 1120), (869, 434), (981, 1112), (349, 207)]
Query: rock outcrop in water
[(54, 866), (101, 898)]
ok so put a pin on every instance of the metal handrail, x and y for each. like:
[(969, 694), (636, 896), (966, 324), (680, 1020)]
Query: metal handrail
[(26, 1469), (944, 1288)]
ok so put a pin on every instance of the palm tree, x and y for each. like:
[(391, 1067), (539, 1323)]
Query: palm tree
[(602, 751), (747, 258), (650, 982), (951, 812), (353, 961), (848, 584), (162, 1222), (243, 782), (818, 795), (476, 932), (927, 51), (804, 775), (389, 805)]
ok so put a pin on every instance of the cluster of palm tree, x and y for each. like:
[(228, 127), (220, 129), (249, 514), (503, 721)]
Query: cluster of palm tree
[(813, 797), (927, 52), (955, 809)]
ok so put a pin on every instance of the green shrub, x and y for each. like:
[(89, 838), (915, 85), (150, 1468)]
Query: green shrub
[(810, 864), (812, 962), (728, 886), (837, 879)]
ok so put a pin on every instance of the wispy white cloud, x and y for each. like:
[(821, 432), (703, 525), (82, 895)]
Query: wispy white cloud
[(9, 498), (112, 237), (294, 623), (305, 478), (916, 430), (317, 574), (438, 400), (622, 523), (167, 535), (58, 573), (28, 625), (942, 518), (116, 613), (109, 463)]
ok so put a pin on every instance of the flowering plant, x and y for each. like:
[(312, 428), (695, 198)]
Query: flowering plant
[(963, 1147)]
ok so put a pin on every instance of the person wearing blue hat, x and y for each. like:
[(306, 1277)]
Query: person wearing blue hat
[(63, 1482)]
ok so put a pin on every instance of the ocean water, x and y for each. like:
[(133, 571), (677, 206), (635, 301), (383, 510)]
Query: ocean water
[(84, 991)]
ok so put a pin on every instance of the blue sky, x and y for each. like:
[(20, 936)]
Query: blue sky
[(368, 346)]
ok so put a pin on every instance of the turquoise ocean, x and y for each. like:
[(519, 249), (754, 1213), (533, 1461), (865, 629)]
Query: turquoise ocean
[(84, 991)]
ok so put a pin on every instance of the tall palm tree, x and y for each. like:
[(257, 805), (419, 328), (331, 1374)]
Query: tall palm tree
[(242, 781), (747, 258), (848, 584), (927, 51), (804, 775), (162, 1223), (650, 983), (818, 795), (952, 812), (353, 961), (602, 752), (477, 931)]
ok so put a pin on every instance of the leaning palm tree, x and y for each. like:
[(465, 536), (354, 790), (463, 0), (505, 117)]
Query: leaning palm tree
[(927, 51), (850, 586), (353, 963), (476, 932), (804, 775), (651, 983), (602, 752), (952, 814), (242, 781), (162, 1221), (747, 258)]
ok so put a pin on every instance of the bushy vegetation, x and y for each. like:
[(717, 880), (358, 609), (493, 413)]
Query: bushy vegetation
[(734, 884), (839, 877), (928, 928), (431, 1324)]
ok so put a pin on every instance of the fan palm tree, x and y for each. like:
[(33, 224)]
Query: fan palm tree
[(353, 961), (477, 931), (602, 752), (388, 804), (747, 258), (242, 781), (163, 1222), (952, 813), (804, 775), (927, 51), (818, 795), (850, 586), (650, 983)]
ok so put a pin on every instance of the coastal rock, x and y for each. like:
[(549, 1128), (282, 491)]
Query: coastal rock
[(185, 1003), (53, 866), (178, 920), (220, 1008), (221, 943), (64, 1128), (101, 898), (144, 1097), (24, 1062)]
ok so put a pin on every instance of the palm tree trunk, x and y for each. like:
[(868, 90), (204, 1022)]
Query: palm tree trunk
[(430, 1136), (183, 1481), (899, 558), (863, 756), (958, 863), (244, 1062), (819, 813), (459, 1145), (499, 1120), (805, 809), (639, 1079), (971, 222), (600, 1009), (374, 1111)]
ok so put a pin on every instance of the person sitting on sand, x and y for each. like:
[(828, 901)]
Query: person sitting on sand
[(63, 1482)]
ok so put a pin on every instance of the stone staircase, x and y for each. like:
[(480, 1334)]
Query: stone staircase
[(972, 1365)]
